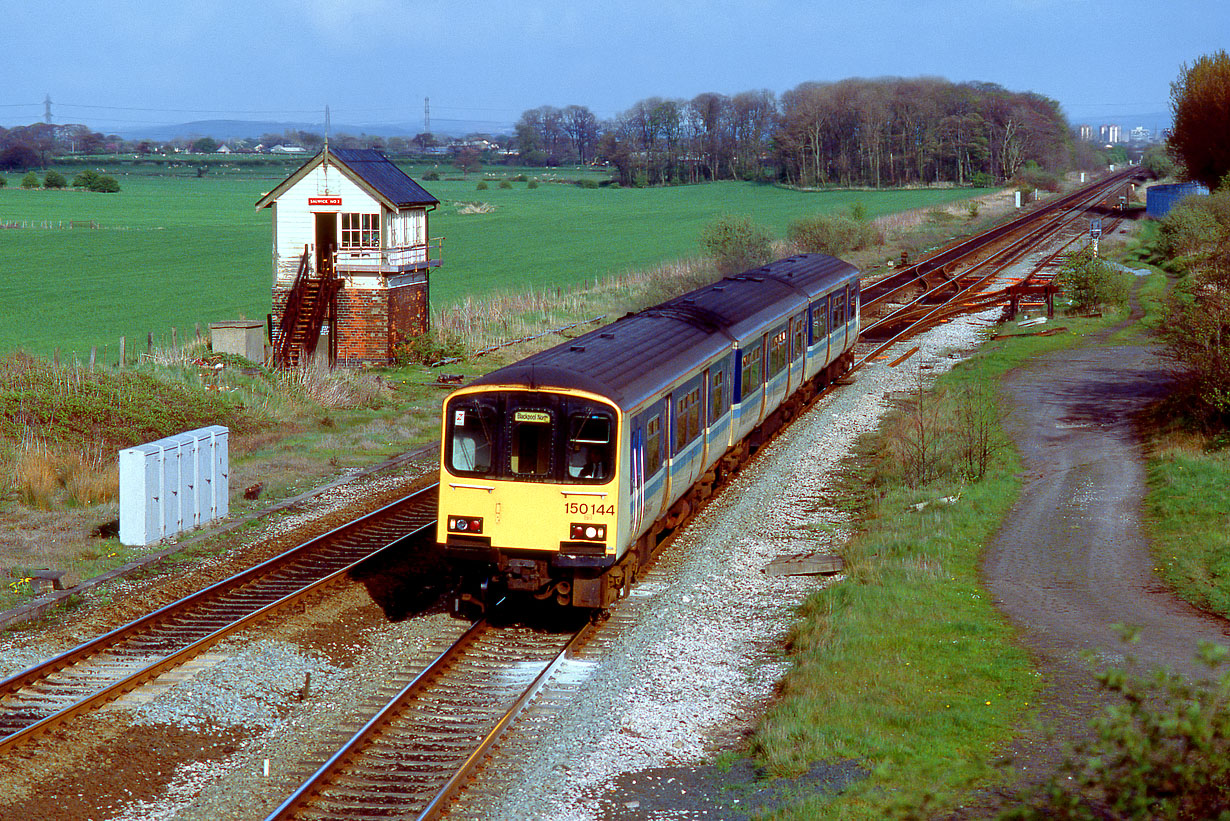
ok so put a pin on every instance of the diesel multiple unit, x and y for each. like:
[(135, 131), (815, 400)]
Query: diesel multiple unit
[(559, 473)]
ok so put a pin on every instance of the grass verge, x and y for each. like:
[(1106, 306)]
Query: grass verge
[(906, 667)]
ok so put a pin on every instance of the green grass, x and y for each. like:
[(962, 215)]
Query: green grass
[(174, 250), (1188, 507)]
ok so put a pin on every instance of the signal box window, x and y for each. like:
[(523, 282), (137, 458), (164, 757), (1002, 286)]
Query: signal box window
[(530, 443), (360, 231), (589, 447), (471, 446)]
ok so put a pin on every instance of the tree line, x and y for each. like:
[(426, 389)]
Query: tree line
[(856, 132)]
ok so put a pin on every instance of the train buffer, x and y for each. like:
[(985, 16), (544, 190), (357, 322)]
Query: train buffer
[(805, 564)]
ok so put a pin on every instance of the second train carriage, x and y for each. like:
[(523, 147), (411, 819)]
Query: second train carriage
[(558, 472)]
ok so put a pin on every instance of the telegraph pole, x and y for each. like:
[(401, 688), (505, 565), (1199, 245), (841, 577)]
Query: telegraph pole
[(427, 115)]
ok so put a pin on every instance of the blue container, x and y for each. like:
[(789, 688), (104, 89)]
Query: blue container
[(1159, 199)]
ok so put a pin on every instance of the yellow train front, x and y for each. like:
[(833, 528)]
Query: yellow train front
[(561, 473), (529, 491)]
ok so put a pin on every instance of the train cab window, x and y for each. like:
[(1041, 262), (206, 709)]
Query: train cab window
[(778, 352), (470, 442), (717, 395), (853, 302), (653, 445), (530, 443), (589, 447), (752, 375), (819, 321)]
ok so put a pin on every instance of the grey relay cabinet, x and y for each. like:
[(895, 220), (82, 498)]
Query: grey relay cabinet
[(173, 484)]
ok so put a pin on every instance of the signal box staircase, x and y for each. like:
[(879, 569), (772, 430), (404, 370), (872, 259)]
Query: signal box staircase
[(308, 305)]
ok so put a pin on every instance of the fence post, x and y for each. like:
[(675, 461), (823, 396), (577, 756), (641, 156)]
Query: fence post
[(174, 339), (149, 344), (93, 356), (123, 350)]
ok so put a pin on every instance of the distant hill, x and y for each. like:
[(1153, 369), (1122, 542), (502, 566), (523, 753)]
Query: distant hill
[(240, 129)]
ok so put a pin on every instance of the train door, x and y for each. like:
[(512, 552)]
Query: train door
[(798, 350), (636, 480)]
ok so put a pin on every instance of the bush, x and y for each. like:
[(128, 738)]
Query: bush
[(832, 234), (1164, 752), (482, 186), (54, 179), (1091, 283), (736, 243), (981, 180), (1034, 177), (30, 180), (505, 184), (105, 185), (519, 178), (431, 176), (3, 181), (587, 183), (429, 348), (85, 179), (532, 184)]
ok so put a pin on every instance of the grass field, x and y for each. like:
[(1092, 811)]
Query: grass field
[(173, 250)]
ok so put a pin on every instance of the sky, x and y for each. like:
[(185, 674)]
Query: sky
[(124, 64)]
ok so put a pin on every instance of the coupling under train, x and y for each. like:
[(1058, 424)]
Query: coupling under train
[(560, 473)]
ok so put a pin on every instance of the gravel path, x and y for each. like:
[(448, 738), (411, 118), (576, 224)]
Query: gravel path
[(1072, 559)]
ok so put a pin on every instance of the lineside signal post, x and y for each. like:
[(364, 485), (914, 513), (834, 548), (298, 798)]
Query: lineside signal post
[(1095, 233)]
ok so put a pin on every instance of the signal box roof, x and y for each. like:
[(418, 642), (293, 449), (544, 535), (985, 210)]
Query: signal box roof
[(371, 170), (641, 354)]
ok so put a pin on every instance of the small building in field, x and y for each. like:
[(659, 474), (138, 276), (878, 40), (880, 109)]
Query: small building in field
[(351, 256)]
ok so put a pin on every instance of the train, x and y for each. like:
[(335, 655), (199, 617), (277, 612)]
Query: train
[(561, 473)]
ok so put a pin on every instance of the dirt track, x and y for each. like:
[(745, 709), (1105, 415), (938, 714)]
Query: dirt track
[(1072, 559)]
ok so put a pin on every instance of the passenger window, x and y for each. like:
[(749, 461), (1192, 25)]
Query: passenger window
[(717, 396), (589, 446), (531, 443), (798, 339), (819, 322), (777, 353), (751, 370), (471, 440), (653, 445)]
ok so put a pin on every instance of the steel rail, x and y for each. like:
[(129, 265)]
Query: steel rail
[(945, 309), (1095, 191), (119, 687), (273, 574), (417, 689)]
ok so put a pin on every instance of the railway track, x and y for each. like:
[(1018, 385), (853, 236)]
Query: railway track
[(419, 750), (97, 672)]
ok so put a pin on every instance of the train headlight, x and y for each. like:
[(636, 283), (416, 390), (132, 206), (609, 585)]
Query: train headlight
[(465, 524), (588, 532)]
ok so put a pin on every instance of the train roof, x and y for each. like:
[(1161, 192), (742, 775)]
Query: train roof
[(637, 356)]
